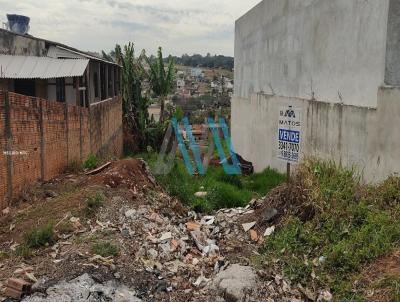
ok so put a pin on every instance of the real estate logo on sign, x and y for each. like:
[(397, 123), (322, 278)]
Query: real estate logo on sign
[(289, 133)]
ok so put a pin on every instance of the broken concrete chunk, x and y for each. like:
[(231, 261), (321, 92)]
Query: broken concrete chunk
[(248, 226), (166, 236), (232, 282), (199, 238), (85, 286)]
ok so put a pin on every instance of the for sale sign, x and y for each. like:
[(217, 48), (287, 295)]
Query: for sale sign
[(289, 134)]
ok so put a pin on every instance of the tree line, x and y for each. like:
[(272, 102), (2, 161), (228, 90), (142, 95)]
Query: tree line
[(208, 61)]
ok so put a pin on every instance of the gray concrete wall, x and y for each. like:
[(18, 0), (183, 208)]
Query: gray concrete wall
[(392, 72), (13, 44), (363, 137), (332, 50)]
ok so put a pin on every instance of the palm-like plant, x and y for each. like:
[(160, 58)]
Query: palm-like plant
[(134, 104), (161, 81)]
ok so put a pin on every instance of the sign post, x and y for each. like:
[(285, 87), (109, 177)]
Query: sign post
[(289, 136)]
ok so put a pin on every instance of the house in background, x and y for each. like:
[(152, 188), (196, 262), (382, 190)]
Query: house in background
[(58, 106), (54, 71)]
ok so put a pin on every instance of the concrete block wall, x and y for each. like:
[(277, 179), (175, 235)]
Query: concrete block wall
[(337, 51), (338, 61), (40, 138), (360, 137)]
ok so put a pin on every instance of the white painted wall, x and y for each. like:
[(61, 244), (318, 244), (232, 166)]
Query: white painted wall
[(332, 49)]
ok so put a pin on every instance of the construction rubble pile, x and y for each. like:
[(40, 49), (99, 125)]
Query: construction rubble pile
[(165, 254)]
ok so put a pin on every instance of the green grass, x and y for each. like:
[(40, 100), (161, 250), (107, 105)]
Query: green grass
[(353, 224), (223, 190), (23, 251), (105, 249), (94, 202), (39, 236)]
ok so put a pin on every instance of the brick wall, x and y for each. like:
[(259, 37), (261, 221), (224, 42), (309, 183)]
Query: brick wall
[(40, 138)]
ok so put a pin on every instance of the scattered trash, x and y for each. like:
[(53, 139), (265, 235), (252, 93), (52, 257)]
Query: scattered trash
[(269, 231), (160, 244)]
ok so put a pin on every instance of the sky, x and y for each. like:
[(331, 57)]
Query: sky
[(178, 26)]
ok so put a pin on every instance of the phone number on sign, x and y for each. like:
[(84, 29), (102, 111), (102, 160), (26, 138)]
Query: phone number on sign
[(291, 147), (288, 155)]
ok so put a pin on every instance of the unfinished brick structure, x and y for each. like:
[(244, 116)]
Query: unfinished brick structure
[(40, 138)]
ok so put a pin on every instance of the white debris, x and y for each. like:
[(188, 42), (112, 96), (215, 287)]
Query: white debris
[(248, 226), (207, 220), (200, 194), (130, 213), (166, 236), (201, 281), (269, 231)]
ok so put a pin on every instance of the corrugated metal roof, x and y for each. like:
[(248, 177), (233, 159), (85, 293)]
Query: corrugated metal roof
[(29, 67)]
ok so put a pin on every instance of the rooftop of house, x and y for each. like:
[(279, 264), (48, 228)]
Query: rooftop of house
[(49, 43)]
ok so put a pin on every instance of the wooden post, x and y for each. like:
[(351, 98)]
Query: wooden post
[(288, 172)]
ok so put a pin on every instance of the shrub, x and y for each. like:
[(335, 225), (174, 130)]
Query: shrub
[(105, 249), (91, 162), (153, 137)]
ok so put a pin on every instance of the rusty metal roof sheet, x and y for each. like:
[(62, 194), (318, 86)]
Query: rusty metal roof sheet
[(29, 67)]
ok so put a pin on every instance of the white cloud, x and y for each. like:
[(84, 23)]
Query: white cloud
[(179, 26)]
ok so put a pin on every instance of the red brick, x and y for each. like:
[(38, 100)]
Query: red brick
[(101, 130)]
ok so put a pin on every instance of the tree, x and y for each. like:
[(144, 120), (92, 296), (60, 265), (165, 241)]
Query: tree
[(135, 106), (161, 81)]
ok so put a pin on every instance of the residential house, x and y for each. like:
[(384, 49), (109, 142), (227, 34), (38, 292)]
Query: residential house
[(50, 70), (58, 105)]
